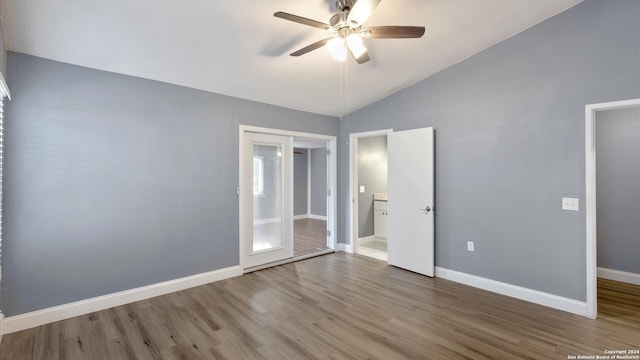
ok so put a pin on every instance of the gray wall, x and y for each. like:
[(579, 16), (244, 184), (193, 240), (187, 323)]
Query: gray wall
[(114, 182), (372, 173), (510, 143), (618, 189), (3, 53), (3, 60), (300, 174), (318, 182)]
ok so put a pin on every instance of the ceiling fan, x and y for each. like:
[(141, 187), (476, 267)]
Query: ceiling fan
[(347, 32)]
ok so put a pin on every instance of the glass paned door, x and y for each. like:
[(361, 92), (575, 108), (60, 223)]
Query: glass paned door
[(268, 224)]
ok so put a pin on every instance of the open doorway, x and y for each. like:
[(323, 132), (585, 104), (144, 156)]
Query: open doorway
[(309, 197), (409, 169), (612, 138), (369, 193)]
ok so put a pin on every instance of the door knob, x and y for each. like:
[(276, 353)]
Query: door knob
[(426, 209)]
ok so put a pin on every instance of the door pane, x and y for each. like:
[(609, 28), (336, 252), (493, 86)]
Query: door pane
[(267, 198)]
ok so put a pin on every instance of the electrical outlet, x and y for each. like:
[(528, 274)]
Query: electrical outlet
[(570, 204), (470, 246)]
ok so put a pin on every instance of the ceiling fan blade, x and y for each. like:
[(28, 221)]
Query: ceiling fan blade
[(302, 20), (361, 11), (394, 32), (362, 59), (309, 48)]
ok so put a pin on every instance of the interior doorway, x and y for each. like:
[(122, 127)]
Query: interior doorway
[(593, 113), (309, 196), (369, 207), (267, 196), (407, 165)]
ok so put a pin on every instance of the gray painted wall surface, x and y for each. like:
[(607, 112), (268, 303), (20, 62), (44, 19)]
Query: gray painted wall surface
[(372, 173), (318, 182), (300, 174), (618, 189), (510, 143), (114, 182), (3, 60), (3, 53)]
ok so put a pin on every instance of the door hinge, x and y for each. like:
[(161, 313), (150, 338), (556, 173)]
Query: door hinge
[(237, 191), (328, 192), (328, 233), (328, 152)]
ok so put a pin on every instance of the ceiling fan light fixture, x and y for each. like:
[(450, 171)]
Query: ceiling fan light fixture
[(356, 45), (337, 48), (346, 33)]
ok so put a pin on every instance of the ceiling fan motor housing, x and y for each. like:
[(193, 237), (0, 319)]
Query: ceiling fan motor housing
[(339, 20), (345, 5)]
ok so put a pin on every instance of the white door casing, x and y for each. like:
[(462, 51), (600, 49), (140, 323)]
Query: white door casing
[(591, 270), (245, 186), (353, 182), (411, 200)]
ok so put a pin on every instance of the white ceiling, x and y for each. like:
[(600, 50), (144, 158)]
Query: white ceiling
[(238, 48)]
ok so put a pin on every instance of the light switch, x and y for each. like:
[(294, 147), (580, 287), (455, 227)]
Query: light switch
[(570, 204), (361, 188)]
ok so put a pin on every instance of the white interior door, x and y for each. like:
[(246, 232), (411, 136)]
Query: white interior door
[(410, 219), (268, 199)]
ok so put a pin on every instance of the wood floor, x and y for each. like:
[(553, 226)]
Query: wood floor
[(309, 236), (336, 306)]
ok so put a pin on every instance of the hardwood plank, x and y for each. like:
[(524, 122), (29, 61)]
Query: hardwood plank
[(309, 236), (336, 306)]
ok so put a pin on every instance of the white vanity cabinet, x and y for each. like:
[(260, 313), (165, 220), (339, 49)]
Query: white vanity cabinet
[(380, 212)]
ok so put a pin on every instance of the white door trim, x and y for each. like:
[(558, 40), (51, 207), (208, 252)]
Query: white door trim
[(353, 184), (590, 200), (331, 179)]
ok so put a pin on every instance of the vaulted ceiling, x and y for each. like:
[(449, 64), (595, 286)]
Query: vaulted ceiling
[(238, 48)]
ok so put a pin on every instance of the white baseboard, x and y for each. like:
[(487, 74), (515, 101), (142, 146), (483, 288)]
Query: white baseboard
[(617, 275), (309, 216), (66, 311), (518, 292), (366, 239), (344, 248), (317, 217)]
